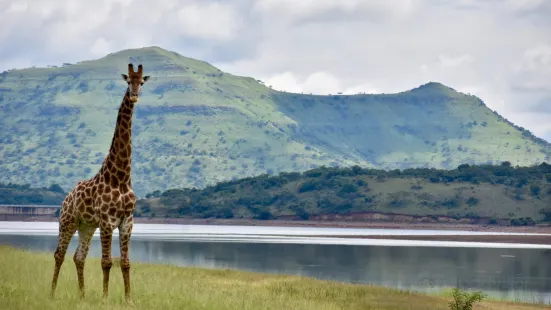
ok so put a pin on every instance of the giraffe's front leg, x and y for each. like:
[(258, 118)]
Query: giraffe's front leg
[(85, 234), (106, 235), (125, 231), (66, 232)]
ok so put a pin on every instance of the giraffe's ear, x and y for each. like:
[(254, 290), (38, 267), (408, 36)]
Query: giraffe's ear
[(145, 78), (124, 77)]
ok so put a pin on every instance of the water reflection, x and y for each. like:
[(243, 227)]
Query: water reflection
[(520, 274)]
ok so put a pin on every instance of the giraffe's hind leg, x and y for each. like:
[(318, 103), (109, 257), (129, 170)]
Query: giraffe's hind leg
[(106, 231), (66, 232), (85, 234), (125, 231)]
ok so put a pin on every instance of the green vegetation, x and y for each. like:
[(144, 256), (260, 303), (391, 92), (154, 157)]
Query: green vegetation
[(496, 194), (24, 194), (26, 280), (196, 125), (493, 194), (463, 300)]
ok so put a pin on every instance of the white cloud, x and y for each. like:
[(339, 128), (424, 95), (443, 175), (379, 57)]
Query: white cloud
[(538, 59), (286, 81), (101, 47), (322, 83), (524, 5), (212, 21), (375, 10), (449, 61), (318, 83), (299, 9), (18, 6)]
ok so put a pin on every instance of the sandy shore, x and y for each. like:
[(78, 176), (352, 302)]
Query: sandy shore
[(541, 229)]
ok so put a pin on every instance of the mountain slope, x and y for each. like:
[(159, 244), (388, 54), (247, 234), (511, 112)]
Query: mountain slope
[(196, 125)]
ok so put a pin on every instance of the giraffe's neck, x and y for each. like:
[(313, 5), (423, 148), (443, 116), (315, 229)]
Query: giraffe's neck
[(116, 168)]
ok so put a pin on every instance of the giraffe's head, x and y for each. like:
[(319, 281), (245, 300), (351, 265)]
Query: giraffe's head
[(135, 81)]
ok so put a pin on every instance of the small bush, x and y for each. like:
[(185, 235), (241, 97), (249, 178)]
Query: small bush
[(472, 201), (463, 300), (308, 186), (348, 189), (264, 215), (523, 221), (535, 190)]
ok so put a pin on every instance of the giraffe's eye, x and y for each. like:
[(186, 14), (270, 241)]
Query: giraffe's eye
[(141, 83)]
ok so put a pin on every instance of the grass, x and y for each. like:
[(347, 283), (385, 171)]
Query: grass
[(25, 282)]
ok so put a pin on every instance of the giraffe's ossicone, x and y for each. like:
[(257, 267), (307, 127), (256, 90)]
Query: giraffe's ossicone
[(106, 201)]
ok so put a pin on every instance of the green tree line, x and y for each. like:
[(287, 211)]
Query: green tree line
[(24, 194), (345, 190)]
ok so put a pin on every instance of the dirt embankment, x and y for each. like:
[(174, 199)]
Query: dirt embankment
[(401, 218)]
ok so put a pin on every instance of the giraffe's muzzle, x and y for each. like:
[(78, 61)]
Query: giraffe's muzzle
[(133, 97)]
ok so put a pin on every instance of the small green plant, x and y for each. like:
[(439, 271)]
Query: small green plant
[(463, 300)]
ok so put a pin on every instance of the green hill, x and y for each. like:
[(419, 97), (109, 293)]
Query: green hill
[(196, 125), (495, 194)]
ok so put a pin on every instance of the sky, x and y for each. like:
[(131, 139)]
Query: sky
[(498, 50)]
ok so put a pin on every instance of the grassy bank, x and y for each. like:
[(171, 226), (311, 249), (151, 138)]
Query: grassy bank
[(25, 281)]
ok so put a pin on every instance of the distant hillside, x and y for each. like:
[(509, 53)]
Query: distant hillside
[(498, 194), (26, 195), (196, 125)]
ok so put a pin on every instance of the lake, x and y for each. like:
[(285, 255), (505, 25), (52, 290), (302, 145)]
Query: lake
[(507, 271)]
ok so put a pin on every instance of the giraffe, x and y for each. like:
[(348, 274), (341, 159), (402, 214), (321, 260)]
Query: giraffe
[(105, 201)]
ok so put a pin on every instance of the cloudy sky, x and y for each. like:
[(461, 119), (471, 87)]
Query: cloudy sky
[(499, 50)]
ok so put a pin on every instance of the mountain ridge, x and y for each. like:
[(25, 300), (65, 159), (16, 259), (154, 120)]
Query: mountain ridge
[(154, 49), (197, 125)]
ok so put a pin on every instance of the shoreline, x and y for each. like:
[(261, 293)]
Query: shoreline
[(544, 229), (538, 229)]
